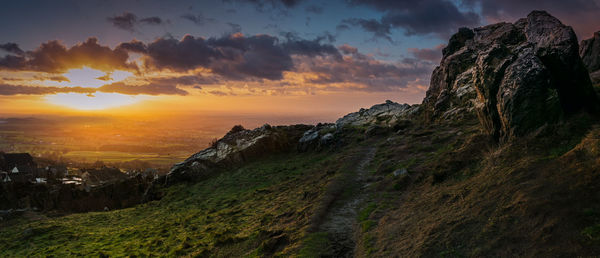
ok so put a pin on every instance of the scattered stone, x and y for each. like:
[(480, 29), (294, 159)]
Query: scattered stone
[(400, 172)]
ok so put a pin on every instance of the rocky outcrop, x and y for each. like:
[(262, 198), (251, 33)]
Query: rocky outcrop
[(317, 137), (237, 147), (515, 77), (387, 114), (589, 50)]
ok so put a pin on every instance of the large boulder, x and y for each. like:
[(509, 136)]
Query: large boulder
[(515, 77), (589, 50)]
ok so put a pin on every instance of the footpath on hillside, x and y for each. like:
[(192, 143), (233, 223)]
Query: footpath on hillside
[(341, 220)]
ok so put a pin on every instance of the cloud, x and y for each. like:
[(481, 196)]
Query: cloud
[(147, 89), (8, 90), (232, 56), (128, 21), (379, 29), (347, 49), (11, 48), (54, 57), (314, 9), (364, 71), (125, 21), (132, 46), (152, 20), (430, 54), (198, 19), (235, 28), (261, 4), (439, 17)]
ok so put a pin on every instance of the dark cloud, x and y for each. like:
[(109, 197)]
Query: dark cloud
[(186, 80), (233, 56), (235, 28), (348, 50), (180, 55), (132, 46), (314, 9), (440, 17), (125, 21), (152, 20), (53, 57), (148, 89), (364, 70), (310, 48), (379, 29), (11, 48), (430, 54), (128, 21), (261, 4), (8, 90), (342, 27), (198, 19)]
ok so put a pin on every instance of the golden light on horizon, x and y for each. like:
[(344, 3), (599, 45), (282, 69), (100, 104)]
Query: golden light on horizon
[(96, 101)]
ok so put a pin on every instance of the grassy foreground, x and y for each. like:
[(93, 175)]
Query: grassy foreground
[(259, 209)]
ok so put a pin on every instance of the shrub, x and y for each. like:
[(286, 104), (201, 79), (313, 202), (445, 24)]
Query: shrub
[(236, 128)]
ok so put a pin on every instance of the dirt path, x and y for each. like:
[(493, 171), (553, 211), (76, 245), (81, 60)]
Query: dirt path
[(340, 221)]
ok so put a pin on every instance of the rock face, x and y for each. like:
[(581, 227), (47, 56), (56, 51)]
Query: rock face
[(515, 77), (236, 147), (589, 50), (386, 113), (317, 137)]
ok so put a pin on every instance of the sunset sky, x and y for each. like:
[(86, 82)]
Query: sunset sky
[(300, 57)]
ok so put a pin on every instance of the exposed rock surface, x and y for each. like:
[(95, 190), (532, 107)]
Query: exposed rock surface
[(237, 147), (317, 137), (386, 113), (515, 77), (589, 50)]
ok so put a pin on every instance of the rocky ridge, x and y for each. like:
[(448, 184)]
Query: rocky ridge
[(515, 77)]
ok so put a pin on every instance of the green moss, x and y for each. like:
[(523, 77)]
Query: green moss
[(315, 245), (366, 212), (367, 225)]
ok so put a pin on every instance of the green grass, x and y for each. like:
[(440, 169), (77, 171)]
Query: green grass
[(366, 212), (220, 216), (315, 245)]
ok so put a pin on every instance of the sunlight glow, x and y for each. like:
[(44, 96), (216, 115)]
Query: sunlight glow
[(88, 77), (97, 101)]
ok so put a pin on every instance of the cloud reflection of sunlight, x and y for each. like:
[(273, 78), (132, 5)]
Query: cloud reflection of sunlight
[(97, 101)]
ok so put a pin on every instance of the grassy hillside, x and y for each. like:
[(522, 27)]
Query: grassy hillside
[(259, 209), (429, 190)]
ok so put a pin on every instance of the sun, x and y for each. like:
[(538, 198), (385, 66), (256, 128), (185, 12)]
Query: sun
[(88, 77), (92, 78), (96, 101)]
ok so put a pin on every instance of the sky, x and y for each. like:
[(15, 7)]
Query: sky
[(296, 57)]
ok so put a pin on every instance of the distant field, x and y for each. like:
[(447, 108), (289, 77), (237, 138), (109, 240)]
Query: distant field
[(117, 156)]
